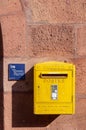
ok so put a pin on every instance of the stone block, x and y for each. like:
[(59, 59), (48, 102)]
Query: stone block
[(51, 40), (7, 111), (14, 34), (81, 40), (57, 11), (80, 65), (9, 7)]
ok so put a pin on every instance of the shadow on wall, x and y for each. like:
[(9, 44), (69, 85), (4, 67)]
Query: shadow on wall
[(1, 82), (22, 105)]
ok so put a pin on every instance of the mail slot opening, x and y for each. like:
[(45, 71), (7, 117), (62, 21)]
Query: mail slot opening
[(53, 75)]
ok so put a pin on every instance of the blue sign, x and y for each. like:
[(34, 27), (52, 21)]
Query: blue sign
[(16, 71)]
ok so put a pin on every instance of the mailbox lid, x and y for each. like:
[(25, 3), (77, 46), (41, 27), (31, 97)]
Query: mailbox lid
[(53, 65)]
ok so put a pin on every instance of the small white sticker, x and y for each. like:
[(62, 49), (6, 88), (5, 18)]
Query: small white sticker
[(54, 96)]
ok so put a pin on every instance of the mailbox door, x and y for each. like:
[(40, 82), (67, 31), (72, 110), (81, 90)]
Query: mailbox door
[(54, 88)]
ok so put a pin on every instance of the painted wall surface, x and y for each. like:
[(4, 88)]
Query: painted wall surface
[(34, 31)]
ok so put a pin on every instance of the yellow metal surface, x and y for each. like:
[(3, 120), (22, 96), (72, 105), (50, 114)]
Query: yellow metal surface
[(54, 88)]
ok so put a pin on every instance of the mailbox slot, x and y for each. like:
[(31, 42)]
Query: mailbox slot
[(53, 75)]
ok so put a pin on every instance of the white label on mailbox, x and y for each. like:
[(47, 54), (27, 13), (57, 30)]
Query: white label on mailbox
[(54, 92)]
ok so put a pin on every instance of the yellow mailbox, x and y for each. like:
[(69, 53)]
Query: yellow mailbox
[(54, 88)]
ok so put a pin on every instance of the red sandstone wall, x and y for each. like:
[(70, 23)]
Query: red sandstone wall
[(35, 31)]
